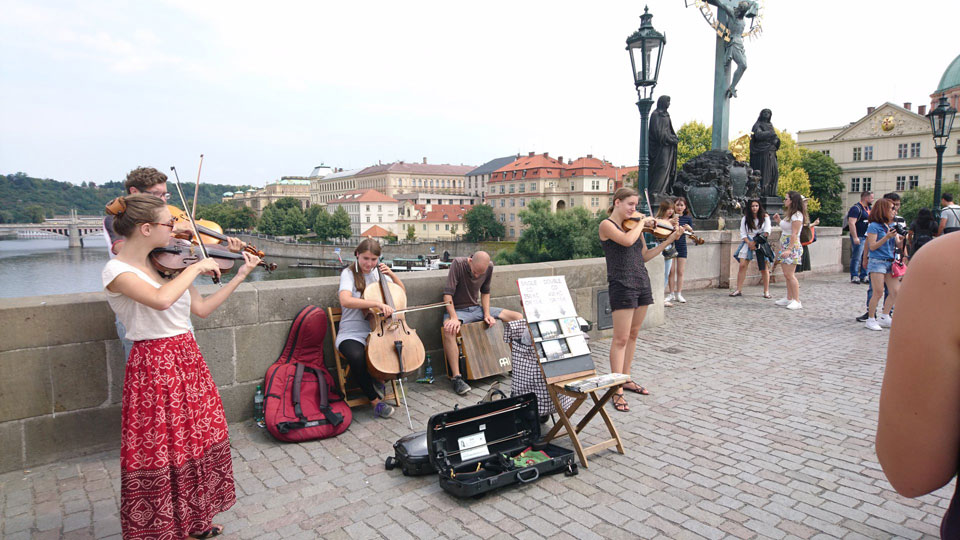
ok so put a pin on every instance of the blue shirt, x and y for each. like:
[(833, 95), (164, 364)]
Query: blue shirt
[(886, 250)]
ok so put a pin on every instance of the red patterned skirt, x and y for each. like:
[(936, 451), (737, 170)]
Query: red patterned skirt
[(176, 472)]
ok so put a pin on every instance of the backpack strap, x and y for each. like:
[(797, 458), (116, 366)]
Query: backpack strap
[(331, 417)]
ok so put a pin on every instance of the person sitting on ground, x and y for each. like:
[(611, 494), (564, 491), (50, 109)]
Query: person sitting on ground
[(354, 321), (754, 221), (918, 429), (467, 294), (882, 241)]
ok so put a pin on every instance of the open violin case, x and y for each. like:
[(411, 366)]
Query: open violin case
[(492, 445)]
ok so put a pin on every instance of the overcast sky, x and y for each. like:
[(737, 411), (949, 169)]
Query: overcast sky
[(91, 89)]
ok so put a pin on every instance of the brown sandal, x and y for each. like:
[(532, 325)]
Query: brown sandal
[(620, 403), (637, 388)]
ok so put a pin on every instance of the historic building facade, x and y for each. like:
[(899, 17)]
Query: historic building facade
[(258, 199), (366, 208), (432, 221), (586, 182), (478, 178), (392, 179), (889, 149)]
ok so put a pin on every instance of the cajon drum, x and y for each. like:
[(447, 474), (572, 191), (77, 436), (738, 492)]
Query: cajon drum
[(484, 351)]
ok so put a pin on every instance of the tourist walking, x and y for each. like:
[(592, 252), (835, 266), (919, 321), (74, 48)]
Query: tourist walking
[(857, 220), (949, 215), (918, 430), (176, 472), (667, 211), (755, 222), (630, 288), (791, 251), (685, 220), (894, 199), (882, 241)]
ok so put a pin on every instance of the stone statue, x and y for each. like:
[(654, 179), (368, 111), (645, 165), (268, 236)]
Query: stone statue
[(764, 144), (735, 24), (663, 149)]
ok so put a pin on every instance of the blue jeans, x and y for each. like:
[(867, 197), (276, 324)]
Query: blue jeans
[(667, 265), (856, 253)]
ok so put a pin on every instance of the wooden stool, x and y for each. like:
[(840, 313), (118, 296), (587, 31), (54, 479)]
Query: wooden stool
[(343, 370), (560, 387)]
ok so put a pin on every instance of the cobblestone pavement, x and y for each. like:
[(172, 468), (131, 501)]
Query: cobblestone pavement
[(761, 425)]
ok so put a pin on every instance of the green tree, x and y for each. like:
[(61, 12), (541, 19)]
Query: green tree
[(912, 201), (340, 224), (825, 186), (271, 221), (244, 218), (481, 224), (35, 214), (311, 215), (322, 224), (694, 138), (411, 232), (294, 222), (285, 203), (391, 238), (550, 236)]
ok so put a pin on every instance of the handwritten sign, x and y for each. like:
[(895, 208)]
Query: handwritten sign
[(546, 298)]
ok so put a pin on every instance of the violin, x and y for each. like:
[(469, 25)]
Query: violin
[(661, 229), (181, 253), (210, 232)]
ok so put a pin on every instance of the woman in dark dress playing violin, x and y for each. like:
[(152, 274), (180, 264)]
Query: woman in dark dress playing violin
[(630, 291)]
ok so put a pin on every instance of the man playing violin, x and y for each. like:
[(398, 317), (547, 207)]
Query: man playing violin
[(467, 295), (151, 182)]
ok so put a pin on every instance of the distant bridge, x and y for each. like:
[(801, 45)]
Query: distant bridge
[(75, 228)]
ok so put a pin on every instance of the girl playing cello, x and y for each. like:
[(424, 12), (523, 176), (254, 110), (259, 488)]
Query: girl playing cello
[(630, 291), (354, 325), (176, 472)]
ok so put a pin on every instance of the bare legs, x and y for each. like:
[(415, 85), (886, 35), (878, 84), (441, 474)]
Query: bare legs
[(626, 327), (742, 276), (676, 275), (793, 285), (877, 281)]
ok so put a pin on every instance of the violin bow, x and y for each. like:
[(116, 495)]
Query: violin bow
[(193, 224), (196, 190)]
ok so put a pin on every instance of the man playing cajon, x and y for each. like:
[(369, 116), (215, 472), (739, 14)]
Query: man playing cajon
[(468, 295)]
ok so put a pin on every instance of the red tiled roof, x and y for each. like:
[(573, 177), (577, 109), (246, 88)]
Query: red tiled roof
[(544, 166), (453, 212), (417, 168), (377, 232), (363, 195)]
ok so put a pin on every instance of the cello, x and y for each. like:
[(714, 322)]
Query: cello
[(394, 349)]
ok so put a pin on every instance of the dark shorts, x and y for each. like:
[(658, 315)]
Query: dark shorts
[(681, 248), (622, 297)]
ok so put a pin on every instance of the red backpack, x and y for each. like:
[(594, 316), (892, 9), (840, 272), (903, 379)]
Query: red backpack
[(300, 400)]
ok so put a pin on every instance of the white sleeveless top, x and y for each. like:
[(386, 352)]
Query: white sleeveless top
[(143, 322)]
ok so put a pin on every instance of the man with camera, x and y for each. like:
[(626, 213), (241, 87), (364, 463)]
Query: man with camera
[(857, 221)]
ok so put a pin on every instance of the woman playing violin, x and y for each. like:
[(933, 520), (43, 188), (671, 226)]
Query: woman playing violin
[(173, 430), (354, 323), (630, 291)]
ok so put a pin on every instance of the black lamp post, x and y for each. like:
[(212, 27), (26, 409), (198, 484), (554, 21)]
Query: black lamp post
[(941, 122), (646, 50)]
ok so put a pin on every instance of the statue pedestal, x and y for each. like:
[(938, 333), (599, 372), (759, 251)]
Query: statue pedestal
[(773, 205)]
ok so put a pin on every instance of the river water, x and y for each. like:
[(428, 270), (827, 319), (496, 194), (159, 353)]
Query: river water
[(37, 267)]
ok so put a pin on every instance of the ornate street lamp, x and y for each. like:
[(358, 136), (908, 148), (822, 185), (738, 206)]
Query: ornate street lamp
[(646, 50), (941, 122)]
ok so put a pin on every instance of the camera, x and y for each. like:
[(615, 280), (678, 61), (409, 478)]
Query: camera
[(901, 230)]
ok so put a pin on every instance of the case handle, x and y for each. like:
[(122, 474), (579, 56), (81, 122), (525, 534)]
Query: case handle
[(536, 474)]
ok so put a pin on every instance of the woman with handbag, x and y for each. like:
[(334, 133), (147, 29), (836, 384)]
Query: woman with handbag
[(754, 222), (882, 242)]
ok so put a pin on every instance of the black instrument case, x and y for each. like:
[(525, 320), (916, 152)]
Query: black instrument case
[(472, 448), (410, 454)]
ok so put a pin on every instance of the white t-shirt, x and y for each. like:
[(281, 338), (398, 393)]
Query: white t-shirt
[(353, 322), (952, 213), (748, 233), (143, 322), (787, 225)]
